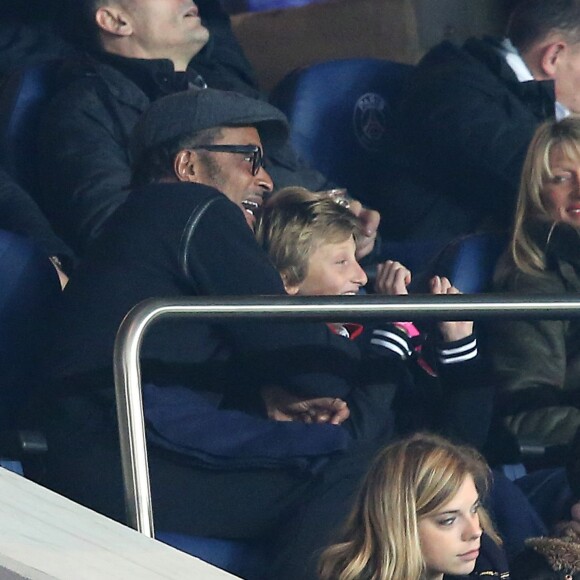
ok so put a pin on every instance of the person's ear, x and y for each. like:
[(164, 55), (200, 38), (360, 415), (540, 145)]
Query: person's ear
[(291, 289), (112, 20), (551, 57), (184, 166)]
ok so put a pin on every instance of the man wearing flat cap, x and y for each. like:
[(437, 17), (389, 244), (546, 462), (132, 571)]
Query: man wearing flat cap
[(227, 457)]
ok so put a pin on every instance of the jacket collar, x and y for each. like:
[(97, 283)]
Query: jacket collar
[(558, 240), (155, 77), (561, 244), (539, 96), (136, 82)]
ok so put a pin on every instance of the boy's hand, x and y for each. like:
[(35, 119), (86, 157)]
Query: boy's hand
[(283, 406), (392, 278), (455, 330)]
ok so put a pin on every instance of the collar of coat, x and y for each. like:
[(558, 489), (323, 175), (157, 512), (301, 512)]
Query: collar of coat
[(539, 96), (560, 241), (155, 77)]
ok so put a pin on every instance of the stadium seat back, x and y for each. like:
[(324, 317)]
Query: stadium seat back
[(341, 114), (29, 288), (469, 261), (23, 96)]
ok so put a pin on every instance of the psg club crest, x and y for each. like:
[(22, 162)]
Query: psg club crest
[(370, 121)]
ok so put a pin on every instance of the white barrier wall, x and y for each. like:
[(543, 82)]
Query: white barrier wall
[(45, 536)]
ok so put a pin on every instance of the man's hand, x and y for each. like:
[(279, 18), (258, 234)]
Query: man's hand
[(283, 406), (62, 277), (369, 219)]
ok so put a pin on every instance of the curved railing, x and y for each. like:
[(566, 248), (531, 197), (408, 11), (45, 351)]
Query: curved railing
[(360, 308)]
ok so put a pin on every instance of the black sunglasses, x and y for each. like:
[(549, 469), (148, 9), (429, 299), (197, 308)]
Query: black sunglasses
[(253, 152)]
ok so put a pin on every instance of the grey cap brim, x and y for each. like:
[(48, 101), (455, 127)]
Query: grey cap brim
[(188, 112)]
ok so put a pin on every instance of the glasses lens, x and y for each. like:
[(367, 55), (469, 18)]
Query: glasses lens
[(257, 161)]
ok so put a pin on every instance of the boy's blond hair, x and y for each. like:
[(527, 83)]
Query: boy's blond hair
[(294, 222)]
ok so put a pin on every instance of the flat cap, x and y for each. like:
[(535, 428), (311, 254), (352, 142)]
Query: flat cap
[(187, 112)]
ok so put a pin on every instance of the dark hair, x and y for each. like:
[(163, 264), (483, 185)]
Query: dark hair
[(529, 565), (157, 163), (533, 20), (79, 26)]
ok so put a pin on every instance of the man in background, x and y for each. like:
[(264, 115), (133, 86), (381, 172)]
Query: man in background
[(138, 51), (467, 116)]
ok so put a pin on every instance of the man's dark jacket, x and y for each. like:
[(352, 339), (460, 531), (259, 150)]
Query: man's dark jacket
[(19, 213), (464, 124), (180, 240), (85, 130)]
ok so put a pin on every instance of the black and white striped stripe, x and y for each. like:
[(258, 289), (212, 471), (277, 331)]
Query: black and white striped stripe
[(458, 351), (394, 340)]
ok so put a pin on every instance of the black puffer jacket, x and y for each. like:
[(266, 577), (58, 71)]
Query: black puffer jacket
[(464, 125), (537, 362), (85, 131)]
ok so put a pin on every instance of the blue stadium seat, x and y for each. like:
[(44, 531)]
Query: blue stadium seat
[(29, 288), (340, 114), (235, 6), (29, 283), (248, 560), (22, 98), (469, 261), (258, 5)]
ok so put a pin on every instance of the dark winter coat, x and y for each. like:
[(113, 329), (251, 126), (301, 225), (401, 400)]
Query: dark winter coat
[(179, 240), (464, 125), (19, 213), (537, 362), (85, 130)]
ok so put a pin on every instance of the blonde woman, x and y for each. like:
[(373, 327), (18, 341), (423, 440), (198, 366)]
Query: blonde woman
[(418, 516), (537, 362)]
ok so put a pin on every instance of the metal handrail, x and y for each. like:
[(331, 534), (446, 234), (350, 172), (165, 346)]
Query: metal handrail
[(138, 320)]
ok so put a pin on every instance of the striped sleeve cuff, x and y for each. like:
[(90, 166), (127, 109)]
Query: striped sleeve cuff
[(393, 340), (458, 351)]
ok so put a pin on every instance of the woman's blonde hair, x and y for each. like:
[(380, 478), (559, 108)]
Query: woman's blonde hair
[(294, 222), (524, 251), (408, 480)]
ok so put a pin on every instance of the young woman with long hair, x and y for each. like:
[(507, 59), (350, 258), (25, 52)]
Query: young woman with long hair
[(418, 516)]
